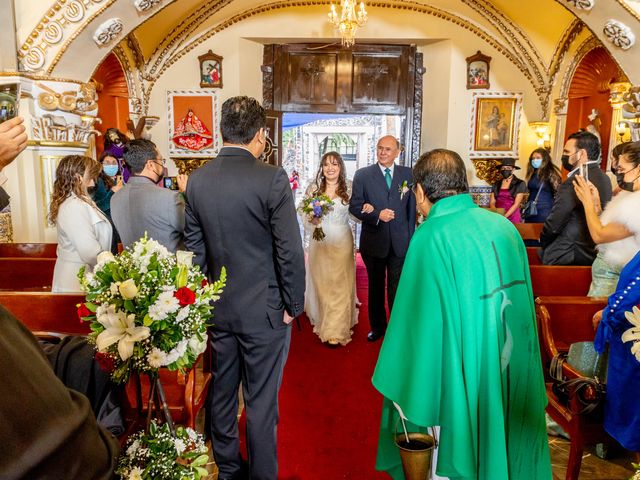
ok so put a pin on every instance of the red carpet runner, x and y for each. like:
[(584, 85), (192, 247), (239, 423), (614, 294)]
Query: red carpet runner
[(329, 411)]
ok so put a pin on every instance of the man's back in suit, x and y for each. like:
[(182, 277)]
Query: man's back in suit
[(241, 215), (141, 206)]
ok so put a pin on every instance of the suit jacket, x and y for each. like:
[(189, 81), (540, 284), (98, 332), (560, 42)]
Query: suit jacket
[(240, 214), (141, 206), (565, 237), (378, 237)]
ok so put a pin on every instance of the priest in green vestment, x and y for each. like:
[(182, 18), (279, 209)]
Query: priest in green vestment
[(461, 350)]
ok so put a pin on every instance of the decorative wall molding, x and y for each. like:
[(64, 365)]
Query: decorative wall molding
[(584, 48), (582, 4), (619, 34), (54, 28), (108, 31), (560, 106), (145, 5)]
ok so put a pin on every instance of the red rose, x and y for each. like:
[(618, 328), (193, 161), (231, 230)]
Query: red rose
[(204, 283), (185, 296), (105, 362), (83, 311)]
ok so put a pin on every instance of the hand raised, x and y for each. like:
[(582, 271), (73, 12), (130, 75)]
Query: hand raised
[(182, 180), (13, 140), (586, 192)]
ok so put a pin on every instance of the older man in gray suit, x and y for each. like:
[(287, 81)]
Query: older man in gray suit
[(141, 206)]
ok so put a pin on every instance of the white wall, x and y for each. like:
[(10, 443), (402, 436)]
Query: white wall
[(447, 102)]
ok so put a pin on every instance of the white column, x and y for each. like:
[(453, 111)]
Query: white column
[(59, 116), (560, 106)]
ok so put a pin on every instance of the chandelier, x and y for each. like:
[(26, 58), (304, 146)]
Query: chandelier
[(349, 20)]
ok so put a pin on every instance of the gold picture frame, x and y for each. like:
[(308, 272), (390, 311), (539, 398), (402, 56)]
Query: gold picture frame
[(478, 71), (496, 121)]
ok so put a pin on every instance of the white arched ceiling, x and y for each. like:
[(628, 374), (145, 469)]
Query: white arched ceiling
[(529, 33)]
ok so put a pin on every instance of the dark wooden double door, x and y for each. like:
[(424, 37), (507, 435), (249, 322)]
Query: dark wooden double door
[(365, 79)]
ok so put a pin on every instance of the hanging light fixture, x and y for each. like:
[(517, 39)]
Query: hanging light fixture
[(348, 21)]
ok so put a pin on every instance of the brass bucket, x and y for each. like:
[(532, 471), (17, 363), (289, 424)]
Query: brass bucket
[(417, 455)]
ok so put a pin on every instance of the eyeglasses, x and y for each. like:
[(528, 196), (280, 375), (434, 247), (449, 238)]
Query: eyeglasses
[(162, 162)]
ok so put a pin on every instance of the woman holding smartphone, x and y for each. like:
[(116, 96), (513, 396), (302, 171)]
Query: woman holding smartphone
[(108, 182)]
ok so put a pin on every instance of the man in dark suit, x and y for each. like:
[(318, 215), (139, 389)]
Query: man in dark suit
[(240, 214), (382, 200), (565, 236)]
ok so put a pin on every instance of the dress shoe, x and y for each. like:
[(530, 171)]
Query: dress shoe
[(374, 336)]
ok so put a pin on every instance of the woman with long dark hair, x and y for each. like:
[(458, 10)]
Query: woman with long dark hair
[(330, 295), (543, 179), (83, 230)]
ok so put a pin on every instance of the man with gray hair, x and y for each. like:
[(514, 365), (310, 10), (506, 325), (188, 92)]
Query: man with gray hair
[(461, 351), (141, 206)]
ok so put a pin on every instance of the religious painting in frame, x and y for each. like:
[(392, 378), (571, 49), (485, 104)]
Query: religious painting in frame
[(495, 124), (210, 70), (478, 71), (192, 121)]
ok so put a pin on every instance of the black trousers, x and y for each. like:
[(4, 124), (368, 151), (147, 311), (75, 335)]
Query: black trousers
[(379, 270), (258, 361)]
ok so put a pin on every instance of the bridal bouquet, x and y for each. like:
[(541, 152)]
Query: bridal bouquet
[(148, 309), (161, 455), (316, 206)]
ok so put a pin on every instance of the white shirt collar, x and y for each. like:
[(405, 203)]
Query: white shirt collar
[(578, 167), (390, 169)]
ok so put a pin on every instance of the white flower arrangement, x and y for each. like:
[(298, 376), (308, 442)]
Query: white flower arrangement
[(148, 309), (161, 455)]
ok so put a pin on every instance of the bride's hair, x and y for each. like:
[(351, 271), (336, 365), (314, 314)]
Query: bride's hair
[(342, 189)]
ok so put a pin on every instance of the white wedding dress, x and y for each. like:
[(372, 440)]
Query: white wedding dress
[(330, 297)]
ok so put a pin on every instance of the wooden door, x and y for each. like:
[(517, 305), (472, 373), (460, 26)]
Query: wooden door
[(273, 151)]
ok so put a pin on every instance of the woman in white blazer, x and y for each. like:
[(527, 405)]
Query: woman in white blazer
[(83, 230)]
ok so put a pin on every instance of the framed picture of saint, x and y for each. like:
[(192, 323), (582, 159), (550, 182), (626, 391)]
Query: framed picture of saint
[(478, 71), (210, 70), (192, 121), (496, 121)]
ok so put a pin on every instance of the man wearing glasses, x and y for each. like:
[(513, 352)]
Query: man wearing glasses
[(141, 206)]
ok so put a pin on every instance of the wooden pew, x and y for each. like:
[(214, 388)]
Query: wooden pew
[(529, 231), (26, 274), (553, 280), (532, 255), (28, 250), (57, 313), (563, 321)]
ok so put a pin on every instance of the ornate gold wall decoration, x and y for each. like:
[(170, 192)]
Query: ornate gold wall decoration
[(56, 128), (59, 20), (187, 165), (108, 31), (487, 170), (619, 34)]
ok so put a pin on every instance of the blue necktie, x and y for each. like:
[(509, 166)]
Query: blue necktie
[(387, 177)]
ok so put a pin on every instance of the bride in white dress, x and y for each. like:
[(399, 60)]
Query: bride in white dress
[(330, 297)]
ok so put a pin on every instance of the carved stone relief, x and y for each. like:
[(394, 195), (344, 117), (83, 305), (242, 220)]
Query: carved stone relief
[(582, 4), (108, 31), (144, 5), (619, 34)]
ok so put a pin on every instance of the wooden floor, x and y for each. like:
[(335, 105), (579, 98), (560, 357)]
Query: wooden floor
[(618, 467)]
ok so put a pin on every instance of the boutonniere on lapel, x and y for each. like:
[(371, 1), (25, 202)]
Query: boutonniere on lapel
[(403, 189)]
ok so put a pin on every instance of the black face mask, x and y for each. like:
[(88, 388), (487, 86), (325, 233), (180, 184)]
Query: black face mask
[(628, 186), (565, 162), (506, 173)]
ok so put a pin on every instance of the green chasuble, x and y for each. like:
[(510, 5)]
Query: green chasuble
[(461, 350)]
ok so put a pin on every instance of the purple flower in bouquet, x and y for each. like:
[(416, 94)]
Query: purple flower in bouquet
[(316, 206)]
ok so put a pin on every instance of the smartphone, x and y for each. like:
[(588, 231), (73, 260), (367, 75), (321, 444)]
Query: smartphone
[(9, 101), (171, 183)]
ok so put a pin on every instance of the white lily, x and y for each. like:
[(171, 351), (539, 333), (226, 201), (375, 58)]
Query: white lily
[(184, 258), (121, 328), (633, 334)]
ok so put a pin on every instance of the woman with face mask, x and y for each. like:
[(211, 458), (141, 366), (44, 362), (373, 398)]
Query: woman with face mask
[(108, 182), (508, 193), (617, 230), (543, 179)]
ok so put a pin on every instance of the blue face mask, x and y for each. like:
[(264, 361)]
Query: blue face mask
[(110, 170), (536, 162)]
